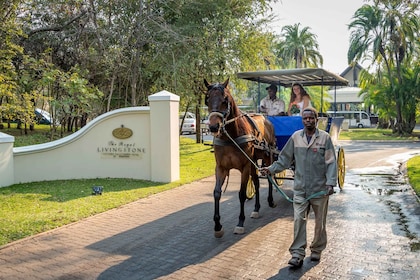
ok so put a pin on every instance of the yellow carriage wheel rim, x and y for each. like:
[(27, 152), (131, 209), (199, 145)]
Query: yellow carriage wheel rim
[(250, 189), (278, 177), (341, 165)]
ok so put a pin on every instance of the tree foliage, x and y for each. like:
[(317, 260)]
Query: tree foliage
[(120, 52), (386, 33), (10, 101), (298, 47)]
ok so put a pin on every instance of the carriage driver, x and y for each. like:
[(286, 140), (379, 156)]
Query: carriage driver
[(315, 177), (271, 105)]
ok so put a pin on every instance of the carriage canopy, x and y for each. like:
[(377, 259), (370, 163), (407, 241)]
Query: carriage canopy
[(286, 77)]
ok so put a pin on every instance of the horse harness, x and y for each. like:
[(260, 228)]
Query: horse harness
[(259, 142)]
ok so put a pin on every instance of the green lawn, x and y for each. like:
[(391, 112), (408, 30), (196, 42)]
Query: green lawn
[(28, 209), (413, 172), (374, 134)]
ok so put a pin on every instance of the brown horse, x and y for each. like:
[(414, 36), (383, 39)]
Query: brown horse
[(240, 140)]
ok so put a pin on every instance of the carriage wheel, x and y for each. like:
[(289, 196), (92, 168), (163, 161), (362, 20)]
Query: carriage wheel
[(341, 166), (279, 177)]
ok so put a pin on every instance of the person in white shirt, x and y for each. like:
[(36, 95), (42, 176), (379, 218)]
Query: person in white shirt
[(299, 100), (271, 105)]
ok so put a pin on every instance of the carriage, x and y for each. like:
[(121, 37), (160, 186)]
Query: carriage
[(246, 142), (284, 127)]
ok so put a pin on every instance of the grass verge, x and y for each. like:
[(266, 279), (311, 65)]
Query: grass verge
[(28, 209), (374, 134), (413, 172)]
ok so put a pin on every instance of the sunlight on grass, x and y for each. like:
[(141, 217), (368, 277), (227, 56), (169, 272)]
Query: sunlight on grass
[(372, 134), (413, 171), (28, 209)]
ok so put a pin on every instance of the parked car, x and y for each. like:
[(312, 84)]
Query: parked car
[(42, 117), (189, 125)]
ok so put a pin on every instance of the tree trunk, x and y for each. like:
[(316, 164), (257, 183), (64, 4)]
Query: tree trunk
[(111, 90)]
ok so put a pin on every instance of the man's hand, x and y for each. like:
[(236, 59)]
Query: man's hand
[(330, 190), (264, 171)]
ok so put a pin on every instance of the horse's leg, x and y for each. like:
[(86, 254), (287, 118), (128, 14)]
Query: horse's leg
[(239, 229), (217, 194), (256, 181), (268, 159), (270, 199)]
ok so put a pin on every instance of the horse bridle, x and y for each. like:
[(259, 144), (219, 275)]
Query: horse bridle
[(223, 115)]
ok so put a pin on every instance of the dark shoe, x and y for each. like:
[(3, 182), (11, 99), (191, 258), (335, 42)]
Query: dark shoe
[(296, 262), (315, 256)]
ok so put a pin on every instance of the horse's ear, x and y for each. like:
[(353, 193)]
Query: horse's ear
[(225, 84), (206, 83)]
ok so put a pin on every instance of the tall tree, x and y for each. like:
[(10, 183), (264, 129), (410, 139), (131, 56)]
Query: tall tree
[(387, 33), (216, 39), (299, 45), (131, 49), (17, 86)]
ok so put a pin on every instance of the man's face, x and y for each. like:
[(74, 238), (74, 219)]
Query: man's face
[(309, 120), (271, 92)]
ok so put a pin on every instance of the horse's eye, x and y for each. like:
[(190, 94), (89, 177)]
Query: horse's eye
[(226, 100)]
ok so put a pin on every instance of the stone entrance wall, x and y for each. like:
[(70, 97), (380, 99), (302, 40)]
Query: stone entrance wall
[(134, 142)]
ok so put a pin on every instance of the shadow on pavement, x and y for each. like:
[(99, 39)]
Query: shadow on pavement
[(183, 238), (294, 273)]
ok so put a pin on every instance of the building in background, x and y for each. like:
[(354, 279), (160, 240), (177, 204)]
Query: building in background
[(349, 98)]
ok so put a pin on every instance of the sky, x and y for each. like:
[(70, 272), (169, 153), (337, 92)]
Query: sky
[(327, 19)]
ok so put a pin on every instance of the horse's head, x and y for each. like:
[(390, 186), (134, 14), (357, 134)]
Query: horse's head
[(218, 104)]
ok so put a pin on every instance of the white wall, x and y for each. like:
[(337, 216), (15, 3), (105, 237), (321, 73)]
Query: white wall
[(346, 95), (151, 153), (6, 159)]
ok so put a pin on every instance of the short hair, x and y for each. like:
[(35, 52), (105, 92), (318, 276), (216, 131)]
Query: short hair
[(311, 109)]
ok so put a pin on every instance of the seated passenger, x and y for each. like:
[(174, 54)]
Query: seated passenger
[(299, 100), (271, 105)]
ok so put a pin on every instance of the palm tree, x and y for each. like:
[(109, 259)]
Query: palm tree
[(299, 46), (386, 33)]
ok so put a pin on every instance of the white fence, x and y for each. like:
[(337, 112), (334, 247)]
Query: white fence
[(135, 142)]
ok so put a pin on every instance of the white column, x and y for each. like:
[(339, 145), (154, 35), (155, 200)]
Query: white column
[(164, 136), (6, 160)]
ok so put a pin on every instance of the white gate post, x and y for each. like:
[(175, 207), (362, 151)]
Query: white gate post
[(164, 136), (7, 175)]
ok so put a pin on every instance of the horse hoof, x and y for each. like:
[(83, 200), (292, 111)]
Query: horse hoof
[(219, 234), (273, 205), (255, 215), (239, 230)]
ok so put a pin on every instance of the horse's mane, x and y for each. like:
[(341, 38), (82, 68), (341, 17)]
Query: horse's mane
[(242, 124)]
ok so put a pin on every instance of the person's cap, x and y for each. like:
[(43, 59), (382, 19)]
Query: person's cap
[(273, 87)]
